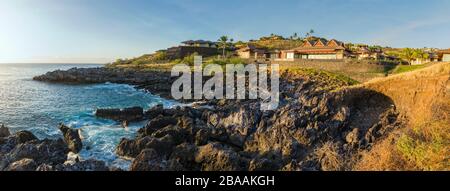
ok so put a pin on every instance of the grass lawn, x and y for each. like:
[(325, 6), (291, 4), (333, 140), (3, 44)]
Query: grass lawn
[(407, 68)]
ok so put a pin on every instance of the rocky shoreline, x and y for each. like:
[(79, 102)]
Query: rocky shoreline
[(22, 151), (154, 82), (318, 126)]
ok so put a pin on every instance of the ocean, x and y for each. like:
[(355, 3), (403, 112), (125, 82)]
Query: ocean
[(40, 107)]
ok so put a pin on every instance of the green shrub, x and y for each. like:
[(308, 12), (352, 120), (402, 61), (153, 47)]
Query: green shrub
[(189, 60), (427, 147)]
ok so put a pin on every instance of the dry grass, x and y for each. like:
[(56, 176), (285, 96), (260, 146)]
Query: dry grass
[(424, 97), (329, 157), (384, 156), (425, 147), (361, 71)]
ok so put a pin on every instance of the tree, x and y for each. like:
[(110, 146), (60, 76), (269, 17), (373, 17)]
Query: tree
[(310, 33), (223, 43), (294, 36), (420, 55), (408, 54)]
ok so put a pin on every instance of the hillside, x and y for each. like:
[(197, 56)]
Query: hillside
[(423, 98)]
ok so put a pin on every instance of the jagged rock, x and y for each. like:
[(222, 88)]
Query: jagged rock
[(45, 167), (158, 123), (185, 154), (163, 146), (217, 157), (72, 138), (147, 160), (178, 134), (127, 114), (202, 137), (131, 148), (24, 136), (4, 162), (154, 111), (87, 165), (10, 142), (45, 151), (22, 165), (353, 136), (219, 134), (4, 131), (262, 165)]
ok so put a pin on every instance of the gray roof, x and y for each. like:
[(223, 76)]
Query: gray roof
[(198, 42)]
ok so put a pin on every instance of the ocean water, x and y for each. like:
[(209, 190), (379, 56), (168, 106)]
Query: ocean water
[(40, 107)]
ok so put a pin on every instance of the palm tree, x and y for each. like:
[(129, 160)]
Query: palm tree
[(294, 37), (223, 43), (420, 55), (310, 33), (408, 54)]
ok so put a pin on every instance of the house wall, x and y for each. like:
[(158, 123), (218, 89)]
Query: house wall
[(290, 56), (340, 55), (245, 55), (323, 56), (183, 51), (446, 58), (274, 56)]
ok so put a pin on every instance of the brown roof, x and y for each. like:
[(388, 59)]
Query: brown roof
[(321, 42), (251, 47), (339, 43), (198, 42), (446, 51), (316, 47)]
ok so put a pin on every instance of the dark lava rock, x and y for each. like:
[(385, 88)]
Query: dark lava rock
[(45, 151), (127, 114), (72, 138), (87, 165), (24, 136), (218, 157), (22, 165), (147, 160), (154, 111), (131, 148), (4, 131), (158, 123)]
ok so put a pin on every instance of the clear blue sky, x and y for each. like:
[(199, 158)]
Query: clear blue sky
[(103, 30)]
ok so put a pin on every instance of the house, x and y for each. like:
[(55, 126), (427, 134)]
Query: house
[(419, 61), (444, 55), (432, 57), (320, 49), (200, 43), (201, 47), (274, 54), (251, 51), (363, 53)]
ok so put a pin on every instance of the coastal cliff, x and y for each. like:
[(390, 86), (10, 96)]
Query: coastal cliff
[(323, 123)]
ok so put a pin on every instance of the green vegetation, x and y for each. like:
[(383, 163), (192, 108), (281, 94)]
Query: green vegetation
[(426, 147), (189, 60), (224, 42), (334, 81), (408, 54), (273, 42), (407, 68), (231, 60), (156, 58)]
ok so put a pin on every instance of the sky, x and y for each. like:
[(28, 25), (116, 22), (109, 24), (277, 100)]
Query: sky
[(100, 31)]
